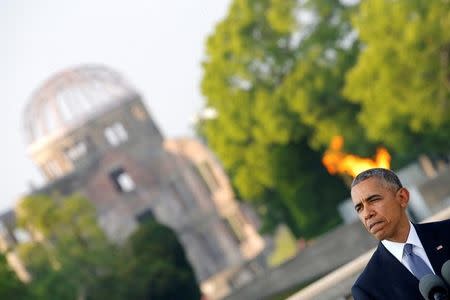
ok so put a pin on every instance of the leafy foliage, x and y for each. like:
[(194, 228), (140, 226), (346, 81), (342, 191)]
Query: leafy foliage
[(10, 286), (275, 82), (68, 252), (157, 266), (287, 76), (402, 79)]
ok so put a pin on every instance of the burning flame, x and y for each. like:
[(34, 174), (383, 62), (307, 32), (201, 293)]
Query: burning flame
[(337, 161)]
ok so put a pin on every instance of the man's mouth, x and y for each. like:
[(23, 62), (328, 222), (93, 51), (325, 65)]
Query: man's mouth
[(374, 225)]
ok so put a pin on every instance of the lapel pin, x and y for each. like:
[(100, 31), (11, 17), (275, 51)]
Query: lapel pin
[(440, 247)]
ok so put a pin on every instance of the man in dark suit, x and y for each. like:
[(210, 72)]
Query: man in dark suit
[(406, 251)]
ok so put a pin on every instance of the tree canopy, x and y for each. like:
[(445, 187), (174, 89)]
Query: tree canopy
[(286, 76), (402, 79), (157, 267), (68, 251), (272, 72)]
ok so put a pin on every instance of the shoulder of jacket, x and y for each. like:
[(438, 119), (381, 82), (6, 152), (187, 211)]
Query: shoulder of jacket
[(371, 269), (437, 224)]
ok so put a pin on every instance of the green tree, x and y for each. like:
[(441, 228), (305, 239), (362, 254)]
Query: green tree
[(10, 286), (157, 267), (402, 78), (69, 252), (274, 72), (312, 88)]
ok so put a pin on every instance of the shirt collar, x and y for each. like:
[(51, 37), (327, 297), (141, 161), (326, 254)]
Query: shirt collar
[(397, 248)]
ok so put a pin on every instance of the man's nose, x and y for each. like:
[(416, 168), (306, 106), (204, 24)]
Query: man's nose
[(367, 213)]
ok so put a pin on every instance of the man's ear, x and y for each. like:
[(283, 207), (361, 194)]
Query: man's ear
[(403, 196)]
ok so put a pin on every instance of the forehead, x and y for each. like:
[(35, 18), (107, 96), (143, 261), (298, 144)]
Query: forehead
[(366, 188)]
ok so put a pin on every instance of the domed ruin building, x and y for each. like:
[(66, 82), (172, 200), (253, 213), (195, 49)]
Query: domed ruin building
[(89, 132)]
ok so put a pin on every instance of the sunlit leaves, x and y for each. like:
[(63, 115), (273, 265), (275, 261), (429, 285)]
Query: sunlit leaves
[(402, 77), (272, 95), (68, 249)]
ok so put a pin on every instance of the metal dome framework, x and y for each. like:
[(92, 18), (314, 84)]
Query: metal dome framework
[(71, 98)]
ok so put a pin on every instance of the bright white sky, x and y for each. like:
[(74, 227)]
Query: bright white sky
[(156, 45)]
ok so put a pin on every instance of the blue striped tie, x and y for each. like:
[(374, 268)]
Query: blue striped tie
[(418, 267)]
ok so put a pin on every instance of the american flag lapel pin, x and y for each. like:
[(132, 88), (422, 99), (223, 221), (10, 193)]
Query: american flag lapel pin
[(440, 247)]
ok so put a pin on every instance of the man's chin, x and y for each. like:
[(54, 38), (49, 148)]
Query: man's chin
[(379, 235)]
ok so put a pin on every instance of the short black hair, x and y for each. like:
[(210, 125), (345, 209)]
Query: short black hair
[(386, 175)]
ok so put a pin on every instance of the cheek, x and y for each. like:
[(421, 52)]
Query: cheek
[(391, 215), (384, 211)]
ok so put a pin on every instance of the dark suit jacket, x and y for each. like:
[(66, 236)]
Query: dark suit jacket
[(386, 278)]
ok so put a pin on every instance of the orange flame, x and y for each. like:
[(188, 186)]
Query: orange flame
[(337, 161)]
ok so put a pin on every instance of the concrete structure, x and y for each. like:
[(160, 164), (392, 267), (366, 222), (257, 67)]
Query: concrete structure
[(325, 254), (89, 132)]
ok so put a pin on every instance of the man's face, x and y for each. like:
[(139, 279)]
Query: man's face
[(381, 209)]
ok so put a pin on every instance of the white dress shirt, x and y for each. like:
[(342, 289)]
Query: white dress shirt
[(396, 249)]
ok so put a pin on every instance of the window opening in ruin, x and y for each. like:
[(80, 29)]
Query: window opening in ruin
[(122, 180), (145, 216), (76, 151), (116, 134)]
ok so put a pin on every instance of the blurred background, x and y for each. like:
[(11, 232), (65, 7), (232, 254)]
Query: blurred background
[(205, 150)]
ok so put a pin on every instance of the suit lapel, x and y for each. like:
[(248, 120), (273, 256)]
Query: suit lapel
[(400, 275), (434, 246)]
